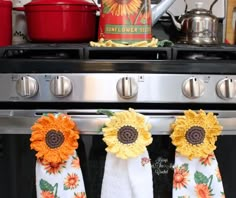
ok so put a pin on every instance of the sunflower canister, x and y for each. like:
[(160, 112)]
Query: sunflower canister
[(58, 172), (127, 171), (196, 171), (125, 21)]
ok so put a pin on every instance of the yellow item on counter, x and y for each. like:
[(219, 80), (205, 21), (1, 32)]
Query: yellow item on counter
[(195, 134), (110, 43), (127, 134)]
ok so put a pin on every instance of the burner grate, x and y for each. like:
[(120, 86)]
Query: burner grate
[(124, 53), (210, 52), (43, 51)]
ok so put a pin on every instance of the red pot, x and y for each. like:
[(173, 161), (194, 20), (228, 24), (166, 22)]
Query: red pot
[(5, 23), (61, 21)]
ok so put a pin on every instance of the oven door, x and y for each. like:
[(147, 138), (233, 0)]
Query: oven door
[(17, 161)]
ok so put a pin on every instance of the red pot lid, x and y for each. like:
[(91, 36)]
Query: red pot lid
[(5, 3), (60, 2)]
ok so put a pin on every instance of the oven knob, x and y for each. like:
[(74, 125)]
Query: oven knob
[(26, 86), (193, 87), (127, 87), (61, 86), (226, 88)]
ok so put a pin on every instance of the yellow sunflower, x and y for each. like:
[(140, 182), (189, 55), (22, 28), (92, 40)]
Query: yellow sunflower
[(127, 134), (122, 7), (54, 138), (195, 134)]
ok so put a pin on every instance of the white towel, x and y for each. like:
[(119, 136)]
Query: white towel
[(131, 178)]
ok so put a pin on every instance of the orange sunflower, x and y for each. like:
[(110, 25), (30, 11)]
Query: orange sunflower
[(71, 181), (53, 168), (47, 194), (207, 161), (122, 7), (75, 162), (202, 191), (54, 138), (80, 195), (180, 177)]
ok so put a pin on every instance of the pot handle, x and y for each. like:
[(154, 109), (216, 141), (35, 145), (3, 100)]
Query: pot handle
[(97, 7), (19, 8)]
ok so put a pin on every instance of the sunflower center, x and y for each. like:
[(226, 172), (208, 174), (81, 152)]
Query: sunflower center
[(54, 139), (178, 178), (127, 134), (195, 135), (122, 1)]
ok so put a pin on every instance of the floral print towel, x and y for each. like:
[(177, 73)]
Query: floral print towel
[(60, 180), (197, 178), (196, 171), (58, 172)]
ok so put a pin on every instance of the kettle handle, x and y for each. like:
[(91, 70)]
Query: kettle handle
[(213, 3), (186, 6)]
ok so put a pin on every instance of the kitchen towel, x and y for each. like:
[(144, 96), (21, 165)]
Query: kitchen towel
[(196, 171), (58, 172), (127, 170)]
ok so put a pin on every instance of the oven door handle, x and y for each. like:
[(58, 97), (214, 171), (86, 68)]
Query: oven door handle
[(90, 123), (6, 113)]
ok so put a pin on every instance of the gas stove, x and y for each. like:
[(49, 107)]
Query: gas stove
[(75, 79)]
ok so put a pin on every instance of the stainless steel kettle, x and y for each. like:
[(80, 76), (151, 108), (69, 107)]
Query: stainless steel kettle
[(197, 26)]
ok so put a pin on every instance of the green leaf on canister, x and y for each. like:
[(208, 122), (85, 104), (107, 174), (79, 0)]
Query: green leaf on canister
[(106, 9)]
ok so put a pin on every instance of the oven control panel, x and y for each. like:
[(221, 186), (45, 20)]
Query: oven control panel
[(121, 87)]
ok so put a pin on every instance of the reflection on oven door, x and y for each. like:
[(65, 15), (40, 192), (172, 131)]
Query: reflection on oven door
[(17, 165)]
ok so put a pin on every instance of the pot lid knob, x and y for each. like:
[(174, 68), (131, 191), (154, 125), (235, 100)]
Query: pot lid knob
[(199, 5)]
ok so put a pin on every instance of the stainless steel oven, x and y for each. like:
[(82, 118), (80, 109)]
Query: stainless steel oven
[(77, 80)]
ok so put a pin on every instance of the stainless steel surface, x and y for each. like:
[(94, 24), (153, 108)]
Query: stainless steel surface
[(218, 9), (226, 88), (20, 121), (101, 87), (193, 87), (127, 87), (26, 86), (197, 26), (60, 86), (159, 9)]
